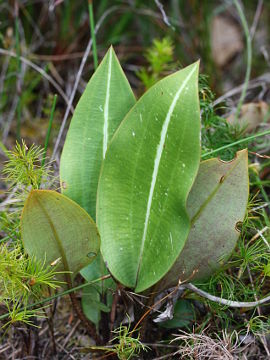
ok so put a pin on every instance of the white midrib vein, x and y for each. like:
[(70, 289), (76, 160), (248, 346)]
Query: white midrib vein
[(157, 161), (106, 107)]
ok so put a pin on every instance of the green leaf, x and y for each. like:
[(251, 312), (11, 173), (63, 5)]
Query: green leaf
[(92, 272), (141, 205), (91, 297), (92, 305), (216, 203), (54, 227), (103, 105)]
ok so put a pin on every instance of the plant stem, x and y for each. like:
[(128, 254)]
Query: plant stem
[(87, 323), (66, 292), (49, 130), (247, 139), (19, 116), (114, 306), (93, 35), (18, 83), (249, 56)]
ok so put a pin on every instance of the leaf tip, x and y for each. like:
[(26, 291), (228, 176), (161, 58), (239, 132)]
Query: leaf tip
[(111, 50), (196, 64)]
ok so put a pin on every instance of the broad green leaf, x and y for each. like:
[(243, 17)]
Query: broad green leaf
[(141, 205), (103, 105), (55, 227), (216, 203)]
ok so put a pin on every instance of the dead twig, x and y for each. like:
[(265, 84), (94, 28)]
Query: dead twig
[(256, 18), (39, 70), (164, 16), (221, 301)]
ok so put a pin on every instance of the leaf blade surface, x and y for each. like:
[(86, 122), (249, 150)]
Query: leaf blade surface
[(56, 229), (138, 196), (216, 203)]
